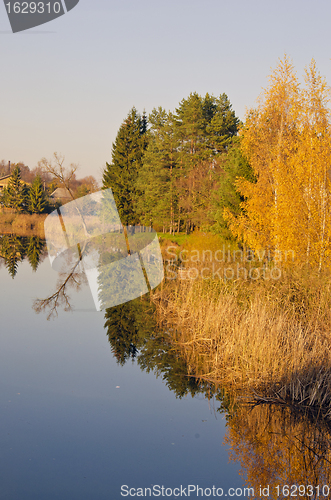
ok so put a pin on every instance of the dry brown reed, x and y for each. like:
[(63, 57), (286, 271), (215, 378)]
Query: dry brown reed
[(270, 338), (22, 224)]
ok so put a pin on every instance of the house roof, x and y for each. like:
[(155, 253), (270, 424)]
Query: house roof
[(5, 180), (61, 193), (5, 177)]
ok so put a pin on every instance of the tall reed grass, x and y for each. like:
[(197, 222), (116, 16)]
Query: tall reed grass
[(22, 224), (270, 338)]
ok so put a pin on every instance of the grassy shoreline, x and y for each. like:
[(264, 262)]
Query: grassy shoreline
[(270, 339), (23, 224)]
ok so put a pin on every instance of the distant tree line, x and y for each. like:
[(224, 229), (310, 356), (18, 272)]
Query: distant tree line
[(21, 197), (28, 190), (172, 169)]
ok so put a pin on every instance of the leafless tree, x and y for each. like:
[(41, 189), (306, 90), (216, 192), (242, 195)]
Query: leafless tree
[(60, 298), (64, 175)]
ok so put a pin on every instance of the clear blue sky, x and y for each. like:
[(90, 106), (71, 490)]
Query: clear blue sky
[(66, 86)]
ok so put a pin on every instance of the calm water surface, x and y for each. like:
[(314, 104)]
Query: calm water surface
[(94, 401), (79, 418)]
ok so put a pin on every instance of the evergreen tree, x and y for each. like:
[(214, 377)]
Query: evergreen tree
[(190, 128), (223, 125), (15, 196), (170, 180), (205, 128), (132, 333), (157, 202), (37, 199), (190, 125), (124, 331), (4, 197), (121, 174)]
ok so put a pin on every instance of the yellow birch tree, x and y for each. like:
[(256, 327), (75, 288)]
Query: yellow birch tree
[(287, 141)]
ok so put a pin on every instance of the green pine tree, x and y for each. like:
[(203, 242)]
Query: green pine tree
[(4, 197), (204, 128), (121, 174), (37, 199), (223, 125), (16, 194), (157, 201), (123, 330)]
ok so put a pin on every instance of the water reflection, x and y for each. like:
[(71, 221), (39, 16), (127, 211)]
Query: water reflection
[(60, 298), (278, 445), (14, 249), (275, 445), (133, 334)]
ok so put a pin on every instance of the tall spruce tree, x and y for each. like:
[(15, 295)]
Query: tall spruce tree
[(127, 155), (34, 248), (37, 199), (223, 125), (156, 178), (190, 124), (16, 194)]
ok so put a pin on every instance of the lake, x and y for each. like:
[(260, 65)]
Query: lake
[(100, 405), (78, 422)]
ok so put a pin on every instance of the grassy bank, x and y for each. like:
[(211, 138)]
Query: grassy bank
[(22, 224), (267, 337)]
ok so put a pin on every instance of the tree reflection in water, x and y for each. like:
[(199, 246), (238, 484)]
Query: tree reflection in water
[(277, 445), (14, 249), (133, 334)]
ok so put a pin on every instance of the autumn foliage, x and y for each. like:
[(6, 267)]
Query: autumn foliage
[(287, 141)]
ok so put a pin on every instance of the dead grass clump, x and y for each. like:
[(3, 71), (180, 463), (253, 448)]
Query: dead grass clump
[(257, 335), (23, 224), (308, 390)]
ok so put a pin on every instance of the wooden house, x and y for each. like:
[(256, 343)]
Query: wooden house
[(4, 181), (60, 194)]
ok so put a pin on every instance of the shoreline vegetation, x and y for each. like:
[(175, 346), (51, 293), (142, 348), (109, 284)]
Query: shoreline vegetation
[(267, 341), (22, 224)]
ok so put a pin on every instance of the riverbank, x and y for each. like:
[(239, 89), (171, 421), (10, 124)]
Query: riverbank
[(22, 224), (270, 338)]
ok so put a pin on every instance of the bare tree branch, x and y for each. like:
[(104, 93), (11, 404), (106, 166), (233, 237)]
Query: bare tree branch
[(60, 297), (56, 168), (64, 175)]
